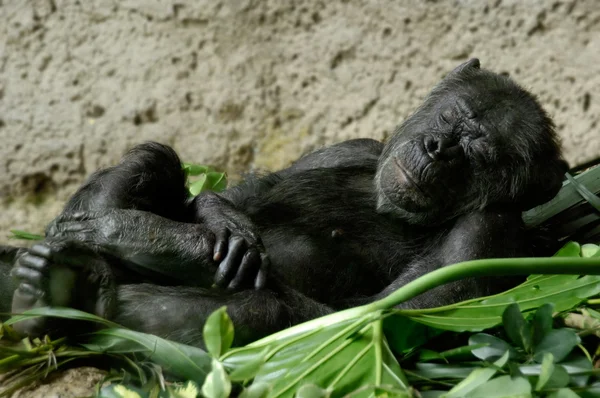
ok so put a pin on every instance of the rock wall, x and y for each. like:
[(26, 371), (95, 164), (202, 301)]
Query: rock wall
[(247, 84)]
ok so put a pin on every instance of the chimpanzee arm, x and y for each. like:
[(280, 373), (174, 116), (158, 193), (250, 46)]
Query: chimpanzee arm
[(474, 236), (151, 245)]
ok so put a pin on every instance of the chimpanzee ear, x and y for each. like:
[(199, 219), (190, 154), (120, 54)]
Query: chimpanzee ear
[(472, 63)]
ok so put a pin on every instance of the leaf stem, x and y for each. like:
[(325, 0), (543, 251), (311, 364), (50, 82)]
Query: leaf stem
[(489, 267), (377, 340)]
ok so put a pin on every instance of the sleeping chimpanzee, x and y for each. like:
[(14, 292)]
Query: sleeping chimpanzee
[(345, 225)]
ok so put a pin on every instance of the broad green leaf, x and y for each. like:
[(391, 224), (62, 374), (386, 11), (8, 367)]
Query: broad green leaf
[(564, 291), (216, 181), (249, 368), (217, 384), (493, 347), (570, 249), (516, 328), (559, 378), (477, 378), (311, 391), (218, 332), (502, 387), (563, 393), (196, 169), (558, 342), (341, 357), (256, 390), (546, 371), (403, 333), (590, 250), (179, 360), (542, 322), (198, 186)]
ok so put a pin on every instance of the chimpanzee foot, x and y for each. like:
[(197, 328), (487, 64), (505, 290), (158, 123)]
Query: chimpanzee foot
[(60, 274)]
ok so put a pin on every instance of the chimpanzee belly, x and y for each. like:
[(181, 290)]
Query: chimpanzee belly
[(326, 268)]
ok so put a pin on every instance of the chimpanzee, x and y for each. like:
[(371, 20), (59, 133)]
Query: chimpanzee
[(345, 225)]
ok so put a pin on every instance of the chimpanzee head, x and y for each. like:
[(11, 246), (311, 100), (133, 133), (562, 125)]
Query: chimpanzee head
[(478, 141)]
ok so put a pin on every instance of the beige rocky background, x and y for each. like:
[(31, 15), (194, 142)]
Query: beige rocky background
[(245, 84)]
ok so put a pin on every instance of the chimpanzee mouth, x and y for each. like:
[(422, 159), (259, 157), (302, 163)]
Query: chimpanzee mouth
[(406, 177)]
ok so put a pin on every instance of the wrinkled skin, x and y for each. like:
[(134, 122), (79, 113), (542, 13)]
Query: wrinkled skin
[(342, 226)]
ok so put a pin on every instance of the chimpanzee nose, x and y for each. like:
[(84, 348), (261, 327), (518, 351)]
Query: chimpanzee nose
[(441, 148)]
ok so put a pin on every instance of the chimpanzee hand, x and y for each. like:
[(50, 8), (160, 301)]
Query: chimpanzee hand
[(238, 247)]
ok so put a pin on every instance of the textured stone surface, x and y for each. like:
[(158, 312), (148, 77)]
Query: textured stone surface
[(255, 83)]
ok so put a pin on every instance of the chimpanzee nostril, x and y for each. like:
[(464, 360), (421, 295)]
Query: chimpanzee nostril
[(432, 147), (441, 148)]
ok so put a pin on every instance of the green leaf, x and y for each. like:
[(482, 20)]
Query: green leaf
[(196, 169), (60, 312), (503, 387), (542, 322), (477, 378), (311, 391), (403, 333), (559, 378), (218, 332), (250, 367), (563, 393), (565, 291), (441, 371), (546, 371), (256, 390), (18, 234), (179, 360), (590, 250), (188, 390), (198, 186), (558, 342), (491, 347), (570, 249), (121, 391), (341, 357), (585, 193), (216, 181), (217, 384), (516, 328)]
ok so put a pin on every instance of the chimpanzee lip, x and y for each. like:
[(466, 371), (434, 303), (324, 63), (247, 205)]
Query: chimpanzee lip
[(408, 176)]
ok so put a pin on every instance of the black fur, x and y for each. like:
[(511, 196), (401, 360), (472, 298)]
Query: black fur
[(342, 226)]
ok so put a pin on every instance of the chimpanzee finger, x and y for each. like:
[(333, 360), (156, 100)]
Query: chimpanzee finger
[(33, 262), (261, 276), (26, 288), (228, 267), (221, 241), (40, 250), (27, 274), (248, 266)]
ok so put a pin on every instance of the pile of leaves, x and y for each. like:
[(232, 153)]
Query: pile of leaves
[(539, 339)]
